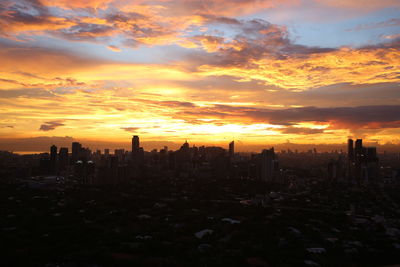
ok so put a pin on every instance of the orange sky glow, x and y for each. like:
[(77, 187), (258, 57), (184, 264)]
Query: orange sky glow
[(208, 71)]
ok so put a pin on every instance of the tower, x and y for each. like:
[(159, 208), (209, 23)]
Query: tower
[(135, 144), (76, 151), (358, 148), (350, 150), (53, 159), (267, 165), (63, 158), (231, 149)]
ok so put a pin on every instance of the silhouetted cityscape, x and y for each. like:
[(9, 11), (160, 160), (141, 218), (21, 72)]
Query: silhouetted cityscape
[(360, 165), (200, 206), (200, 133)]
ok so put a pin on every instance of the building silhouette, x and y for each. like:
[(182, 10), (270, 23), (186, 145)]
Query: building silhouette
[(232, 149), (76, 152), (53, 159), (268, 165), (363, 163), (63, 158), (135, 143)]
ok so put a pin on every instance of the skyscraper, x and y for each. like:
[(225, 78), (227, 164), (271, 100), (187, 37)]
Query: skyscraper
[(135, 144), (53, 159), (63, 158), (231, 149), (76, 151), (350, 150), (358, 148), (137, 152), (267, 164)]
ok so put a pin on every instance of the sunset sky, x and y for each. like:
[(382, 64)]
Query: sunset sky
[(211, 71)]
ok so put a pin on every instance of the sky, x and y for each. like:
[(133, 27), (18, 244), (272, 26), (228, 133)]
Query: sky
[(211, 71)]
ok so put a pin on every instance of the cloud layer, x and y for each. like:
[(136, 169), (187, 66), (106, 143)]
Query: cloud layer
[(107, 69)]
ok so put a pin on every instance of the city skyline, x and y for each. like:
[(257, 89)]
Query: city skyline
[(41, 145), (256, 72)]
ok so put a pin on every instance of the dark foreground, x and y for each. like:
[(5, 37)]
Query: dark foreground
[(154, 223)]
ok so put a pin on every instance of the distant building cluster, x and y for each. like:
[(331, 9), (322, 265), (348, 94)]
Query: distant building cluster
[(363, 162), (186, 162), (360, 165)]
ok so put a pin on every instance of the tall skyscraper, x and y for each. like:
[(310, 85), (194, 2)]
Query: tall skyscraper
[(358, 148), (63, 158), (267, 164), (350, 150), (76, 151), (135, 143), (53, 159), (137, 152), (231, 149)]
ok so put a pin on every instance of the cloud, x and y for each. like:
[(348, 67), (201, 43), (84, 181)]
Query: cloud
[(388, 23), (391, 36), (78, 4), (114, 48), (301, 130), (277, 62), (367, 117), (131, 129), (50, 125), (28, 16), (359, 4), (86, 32)]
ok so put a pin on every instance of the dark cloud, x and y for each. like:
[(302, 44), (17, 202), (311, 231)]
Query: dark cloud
[(131, 129), (212, 19), (341, 117), (86, 32), (177, 104), (301, 130), (28, 15), (35, 93), (50, 125), (367, 117), (253, 39), (7, 126)]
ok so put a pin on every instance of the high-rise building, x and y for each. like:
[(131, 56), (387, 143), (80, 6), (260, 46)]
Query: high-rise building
[(119, 153), (53, 159), (137, 152), (185, 146), (350, 150), (364, 166), (63, 158), (231, 149), (76, 152), (268, 163), (135, 143), (358, 148)]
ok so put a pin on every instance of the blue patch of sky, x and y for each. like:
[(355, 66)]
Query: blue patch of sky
[(141, 54), (344, 33), (312, 26)]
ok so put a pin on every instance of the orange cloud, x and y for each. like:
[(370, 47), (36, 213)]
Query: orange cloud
[(301, 72), (360, 4), (95, 4), (114, 48)]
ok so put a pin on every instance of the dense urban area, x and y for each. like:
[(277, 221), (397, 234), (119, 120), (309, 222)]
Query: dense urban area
[(200, 206)]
